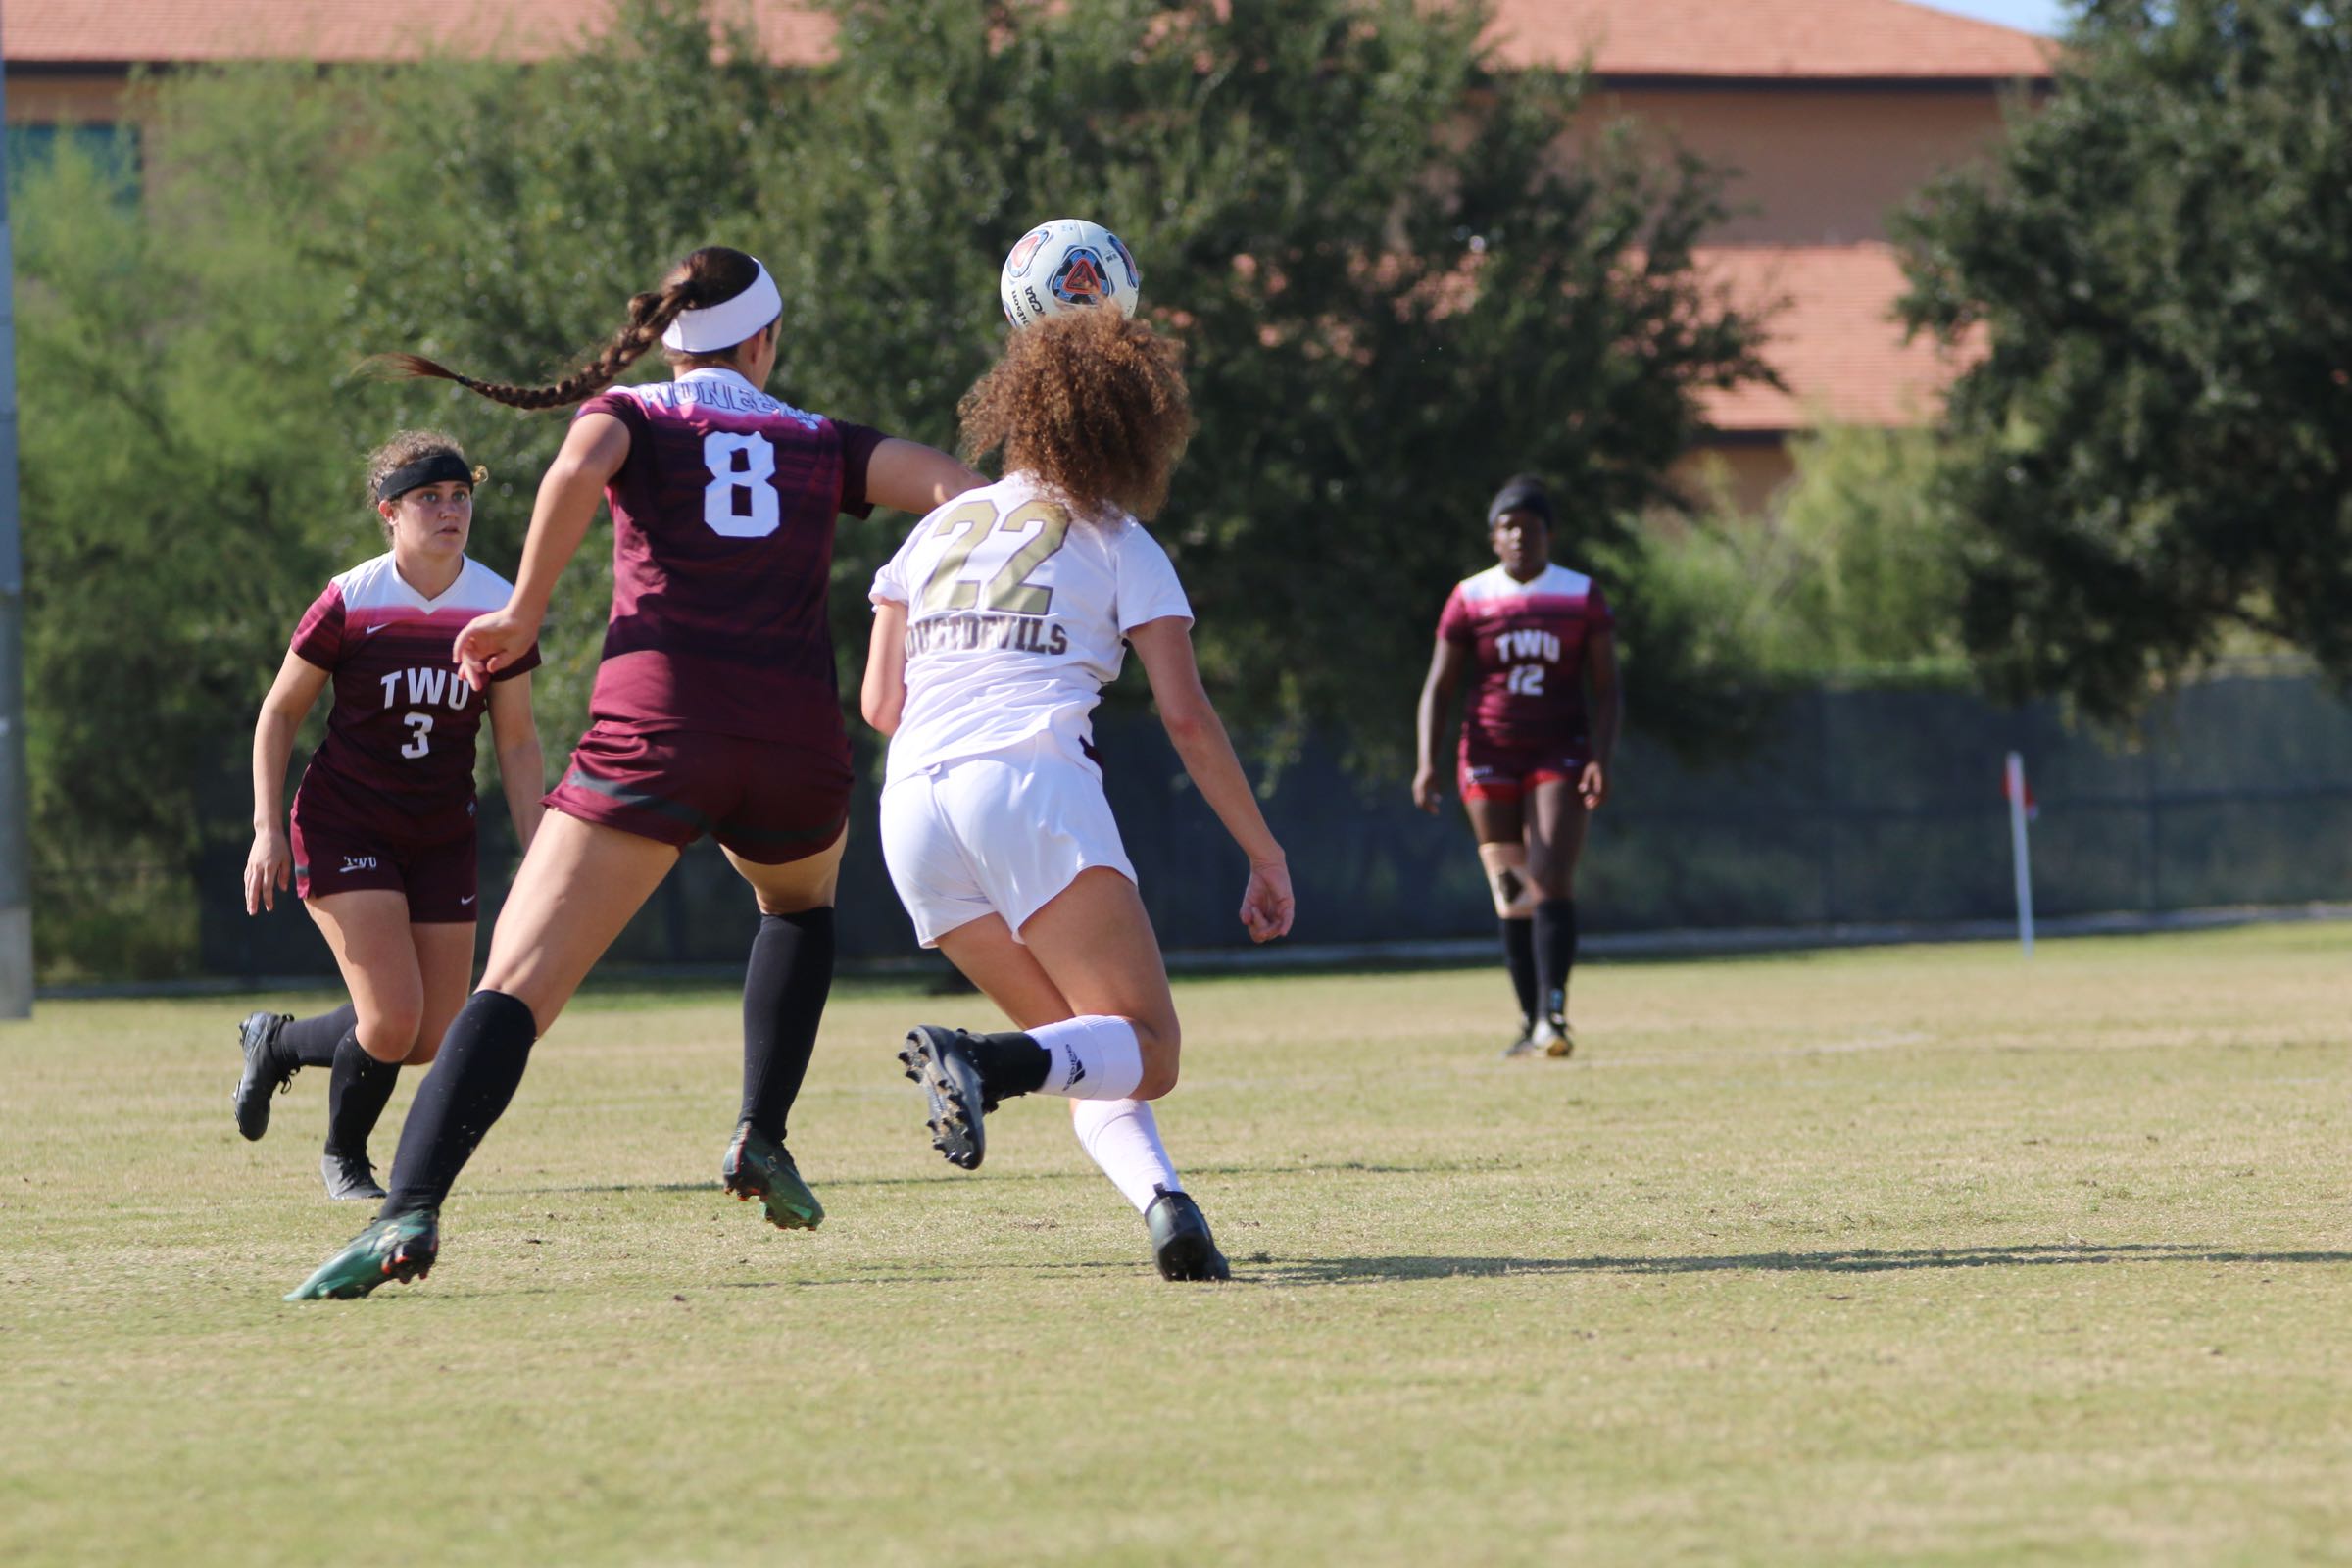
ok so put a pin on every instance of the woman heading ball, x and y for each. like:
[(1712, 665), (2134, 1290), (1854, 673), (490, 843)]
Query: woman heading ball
[(996, 626)]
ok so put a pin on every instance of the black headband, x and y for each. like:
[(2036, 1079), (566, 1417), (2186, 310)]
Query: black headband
[(1523, 494), (424, 470)]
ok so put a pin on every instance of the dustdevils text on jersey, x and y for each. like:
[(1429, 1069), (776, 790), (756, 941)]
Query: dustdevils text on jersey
[(1016, 616)]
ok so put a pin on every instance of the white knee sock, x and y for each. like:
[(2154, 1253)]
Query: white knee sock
[(1095, 1057), (1122, 1136)]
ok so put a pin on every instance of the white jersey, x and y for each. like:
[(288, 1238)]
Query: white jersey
[(1016, 616)]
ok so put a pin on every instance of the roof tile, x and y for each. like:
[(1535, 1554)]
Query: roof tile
[(1832, 334), (1794, 39)]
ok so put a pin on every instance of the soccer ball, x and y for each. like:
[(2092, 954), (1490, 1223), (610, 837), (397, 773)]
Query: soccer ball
[(1063, 264)]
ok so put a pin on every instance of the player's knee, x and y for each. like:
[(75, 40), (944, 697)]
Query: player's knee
[(389, 1035), (1159, 1044), (1510, 879), (421, 1054)]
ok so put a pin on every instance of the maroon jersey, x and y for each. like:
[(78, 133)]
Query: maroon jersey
[(722, 550), (1527, 643), (398, 758)]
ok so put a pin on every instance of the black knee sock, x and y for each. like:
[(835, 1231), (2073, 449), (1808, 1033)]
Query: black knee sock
[(355, 1097), (1556, 952), (480, 1065), (1010, 1063), (784, 990), (1519, 956), (312, 1041)]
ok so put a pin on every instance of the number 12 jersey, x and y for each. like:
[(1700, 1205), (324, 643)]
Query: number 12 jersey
[(1526, 642)]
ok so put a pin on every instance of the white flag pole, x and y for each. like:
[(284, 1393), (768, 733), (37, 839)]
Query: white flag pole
[(2016, 791)]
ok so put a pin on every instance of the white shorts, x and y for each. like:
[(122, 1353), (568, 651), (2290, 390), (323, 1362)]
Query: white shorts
[(1000, 834)]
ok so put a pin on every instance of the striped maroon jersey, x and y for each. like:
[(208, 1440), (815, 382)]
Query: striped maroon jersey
[(722, 550), (1527, 645), (398, 758)]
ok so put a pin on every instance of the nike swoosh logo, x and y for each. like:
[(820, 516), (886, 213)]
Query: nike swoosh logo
[(373, 631), (467, 899)]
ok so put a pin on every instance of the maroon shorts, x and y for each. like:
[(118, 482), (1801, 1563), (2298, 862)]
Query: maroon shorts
[(333, 857), (1489, 771), (766, 802)]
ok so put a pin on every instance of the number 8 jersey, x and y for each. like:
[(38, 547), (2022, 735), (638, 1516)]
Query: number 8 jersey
[(1016, 617), (722, 548), (1527, 644)]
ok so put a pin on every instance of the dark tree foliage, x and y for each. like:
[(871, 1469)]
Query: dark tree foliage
[(2154, 459)]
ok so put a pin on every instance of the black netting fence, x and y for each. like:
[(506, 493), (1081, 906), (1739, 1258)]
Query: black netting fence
[(1865, 806)]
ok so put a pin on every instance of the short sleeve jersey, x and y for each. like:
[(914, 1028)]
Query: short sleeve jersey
[(1016, 616), (722, 547), (398, 758), (1527, 644)]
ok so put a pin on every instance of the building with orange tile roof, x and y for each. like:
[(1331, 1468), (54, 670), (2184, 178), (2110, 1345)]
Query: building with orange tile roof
[(1832, 112)]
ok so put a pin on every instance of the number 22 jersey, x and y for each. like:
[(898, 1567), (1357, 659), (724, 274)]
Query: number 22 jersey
[(1016, 617), (722, 552), (397, 762), (1527, 645)]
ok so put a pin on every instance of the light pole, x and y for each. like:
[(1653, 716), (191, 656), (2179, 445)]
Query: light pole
[(15, 844)]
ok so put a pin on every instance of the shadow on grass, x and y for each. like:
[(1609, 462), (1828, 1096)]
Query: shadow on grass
[(1860, 1261), (829, 1184)]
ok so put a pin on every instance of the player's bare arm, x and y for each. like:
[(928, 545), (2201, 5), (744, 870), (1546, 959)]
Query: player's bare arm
[(521, 770), (592, 452), (909, 476), (270, 864), (1608, 711), (1446, 668), (1165, 646), (882, 696)]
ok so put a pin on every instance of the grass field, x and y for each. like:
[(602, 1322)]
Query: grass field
[(1922, 1256)]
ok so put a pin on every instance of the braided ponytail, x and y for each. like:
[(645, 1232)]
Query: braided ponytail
[(709, 276)]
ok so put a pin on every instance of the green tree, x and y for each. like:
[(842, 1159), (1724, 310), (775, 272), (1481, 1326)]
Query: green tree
[(2155, 453), (1392, 287), (1854, 573)]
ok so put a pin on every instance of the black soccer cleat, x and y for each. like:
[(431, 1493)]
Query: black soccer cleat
[(349, 1178), (936, 1058), (1524, 1045), (265, 1074), (1180, 1239)]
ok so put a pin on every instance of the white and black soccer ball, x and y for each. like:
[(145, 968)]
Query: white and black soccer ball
[(1065, 265)]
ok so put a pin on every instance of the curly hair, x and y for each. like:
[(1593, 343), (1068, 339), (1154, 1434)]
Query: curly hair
[(406, 447), (1089, 402), (709, 276)]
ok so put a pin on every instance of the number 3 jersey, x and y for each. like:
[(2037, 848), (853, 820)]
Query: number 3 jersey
[(398, 758), (1526, 642), (1016, 617), (723, 550)]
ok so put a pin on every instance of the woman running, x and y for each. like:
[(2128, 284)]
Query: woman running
[(996, 626), (716, 711), (382, 849), (1536, 639)]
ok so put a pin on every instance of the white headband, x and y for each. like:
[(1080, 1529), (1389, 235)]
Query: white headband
[(729, 322)]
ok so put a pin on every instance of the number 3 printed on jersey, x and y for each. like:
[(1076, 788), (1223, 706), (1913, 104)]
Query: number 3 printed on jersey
[(742, 465)]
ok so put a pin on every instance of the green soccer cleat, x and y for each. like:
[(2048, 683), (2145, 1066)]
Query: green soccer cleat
[(758, 1166), (401, 1248)]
